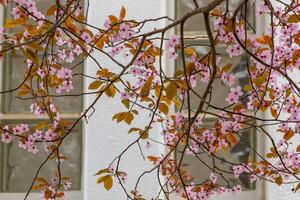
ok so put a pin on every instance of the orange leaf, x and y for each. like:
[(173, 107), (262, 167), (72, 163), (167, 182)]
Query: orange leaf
[(274, 112), (288, 135), (278, 180), (122, 13), (297, 187), (51, 10), (163, 108), (232, 139), (113, 19), (189, 51)]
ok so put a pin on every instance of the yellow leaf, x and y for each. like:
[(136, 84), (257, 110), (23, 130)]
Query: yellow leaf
[(146, 88), (11, 23), (144, 135), (111, 91), (227, 67), (39, 186), (247, 88), (294, 18), (102, 171), (35, 46), (171, 90), (128, 118), (25, 89), (108, 182), (30, 55), (163, 108), (278, 180), (189, 51), (119, 116), (126, 103), (41, 179), (271, 155), (95, 85), (122, 13), (41, 125), (133, 130), (100, 43)]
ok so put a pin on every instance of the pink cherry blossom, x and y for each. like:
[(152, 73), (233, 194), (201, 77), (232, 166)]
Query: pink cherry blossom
[(173, 41)]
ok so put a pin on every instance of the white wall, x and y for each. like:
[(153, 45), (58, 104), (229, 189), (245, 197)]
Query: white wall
[(104, 139)]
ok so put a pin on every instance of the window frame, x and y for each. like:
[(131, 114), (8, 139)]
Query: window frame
[(71, 194), (259, 193)]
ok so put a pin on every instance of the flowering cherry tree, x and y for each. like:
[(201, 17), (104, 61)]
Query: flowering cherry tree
[(143, 86)]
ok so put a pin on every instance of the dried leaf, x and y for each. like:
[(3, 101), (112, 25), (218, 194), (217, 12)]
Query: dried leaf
[(113, 19), (278, 180), (102, 171), (297, 187), (95, 85), (232, 139), (163, 108), (126, 103), (11, 23), (274, 112), (171, 90), (51, 10), (111, 91), (294, 18), (41, 125), (146, 88), (108, 182), (189, 51), (133, 130), (128, 118), (30, 55), (288, 135), (122, 13)]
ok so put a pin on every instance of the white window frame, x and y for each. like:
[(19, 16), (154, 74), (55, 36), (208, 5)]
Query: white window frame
[(259, 193), (71, 194)]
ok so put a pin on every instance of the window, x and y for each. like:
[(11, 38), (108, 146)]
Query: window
[(14, 160), (195, 28)]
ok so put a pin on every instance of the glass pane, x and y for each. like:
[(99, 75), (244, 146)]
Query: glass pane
[(14, 75), (237, 154), (196, 24), (17, 161), (220, 90)]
